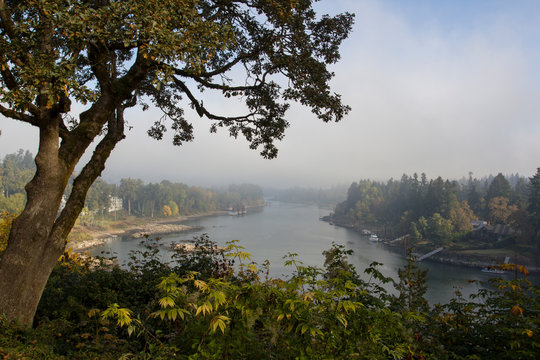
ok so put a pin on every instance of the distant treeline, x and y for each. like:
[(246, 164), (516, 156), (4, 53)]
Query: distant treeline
[(170, 199), (132, 196), (330, 196), (442, 210), (16, 170)]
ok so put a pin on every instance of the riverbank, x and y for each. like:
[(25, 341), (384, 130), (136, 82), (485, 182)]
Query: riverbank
[(472, 258), (86, 237), (478, 259)]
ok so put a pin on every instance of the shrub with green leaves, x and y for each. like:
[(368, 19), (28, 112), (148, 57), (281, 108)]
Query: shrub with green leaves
[(214, 303)]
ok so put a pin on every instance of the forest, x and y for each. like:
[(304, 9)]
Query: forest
[(135, 197), (441, 212)]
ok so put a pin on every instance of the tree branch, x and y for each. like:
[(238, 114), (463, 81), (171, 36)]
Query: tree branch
[(201, 110), (18, 116), (92, 120), (98, 62), (210, 85), (7, 24), (90, 172), (229, 65), (7, 75), (134, 76)]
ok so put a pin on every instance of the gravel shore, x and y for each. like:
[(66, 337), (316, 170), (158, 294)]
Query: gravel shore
[(152, 228)]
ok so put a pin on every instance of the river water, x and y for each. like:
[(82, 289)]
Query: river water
[(283, 228)]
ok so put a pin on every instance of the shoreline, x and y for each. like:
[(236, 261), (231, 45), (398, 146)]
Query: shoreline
[(142, 227), (454, 258)]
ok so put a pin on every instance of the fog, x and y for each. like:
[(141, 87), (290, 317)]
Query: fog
[(437, 88)]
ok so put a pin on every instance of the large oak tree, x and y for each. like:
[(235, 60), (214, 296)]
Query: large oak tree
[(110, 55)]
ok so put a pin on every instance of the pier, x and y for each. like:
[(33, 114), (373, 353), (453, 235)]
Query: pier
[(425, 256)]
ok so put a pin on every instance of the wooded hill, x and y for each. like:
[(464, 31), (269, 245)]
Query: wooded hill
[(442, 211), (131, 196)]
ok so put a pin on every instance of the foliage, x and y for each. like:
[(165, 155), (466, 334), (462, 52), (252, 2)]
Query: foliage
[(500, 210), (12, 204), (499, 187), (500, 322), (534, 205), (437, 211), (6, 219), (16, 171), (203, 306)]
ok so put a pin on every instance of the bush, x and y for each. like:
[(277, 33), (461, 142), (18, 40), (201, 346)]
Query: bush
[(214, 303)]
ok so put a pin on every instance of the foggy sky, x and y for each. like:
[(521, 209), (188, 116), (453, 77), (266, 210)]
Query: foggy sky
[(437, 87)]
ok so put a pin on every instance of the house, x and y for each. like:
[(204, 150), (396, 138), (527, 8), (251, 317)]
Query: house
[(483, 231), (116, 204)]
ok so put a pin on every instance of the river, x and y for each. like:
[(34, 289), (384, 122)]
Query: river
[(283, 227)]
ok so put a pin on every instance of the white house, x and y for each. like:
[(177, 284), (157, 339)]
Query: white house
[(116, 204)]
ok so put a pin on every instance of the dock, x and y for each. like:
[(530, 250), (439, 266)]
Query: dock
[(425, 256), (401, 238)]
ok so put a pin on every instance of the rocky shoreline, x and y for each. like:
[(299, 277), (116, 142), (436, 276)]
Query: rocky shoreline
[(152, 228), (480, 261), (456, 258), (100, 238), (159, 229)]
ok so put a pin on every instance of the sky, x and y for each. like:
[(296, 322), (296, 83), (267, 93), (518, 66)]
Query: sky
[(440, 87)]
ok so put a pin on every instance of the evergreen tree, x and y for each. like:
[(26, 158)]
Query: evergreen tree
[(499, 187), (534, 204)]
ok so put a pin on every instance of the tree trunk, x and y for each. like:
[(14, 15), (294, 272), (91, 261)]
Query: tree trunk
[(38, 236), (25, 267), (31, 252)]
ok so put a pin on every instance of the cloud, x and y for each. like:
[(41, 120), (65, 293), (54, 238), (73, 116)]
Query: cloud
[(443, 103)]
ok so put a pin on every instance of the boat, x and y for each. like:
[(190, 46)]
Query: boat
[(492, 270), (373, 238), (496, 269)]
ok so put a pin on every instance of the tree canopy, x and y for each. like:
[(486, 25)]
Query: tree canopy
[(117, 54)]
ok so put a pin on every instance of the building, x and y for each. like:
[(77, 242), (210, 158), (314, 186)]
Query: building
[(116, 204)]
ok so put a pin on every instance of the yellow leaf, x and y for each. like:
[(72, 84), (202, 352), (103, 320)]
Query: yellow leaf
[(222, 326), (201, 285), (516, 311), (93, 312)]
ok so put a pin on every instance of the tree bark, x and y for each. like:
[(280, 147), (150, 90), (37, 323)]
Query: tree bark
[(38, 236), (30, 255)]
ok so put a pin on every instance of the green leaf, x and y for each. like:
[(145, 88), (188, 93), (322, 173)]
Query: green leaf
[(167, 301)]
